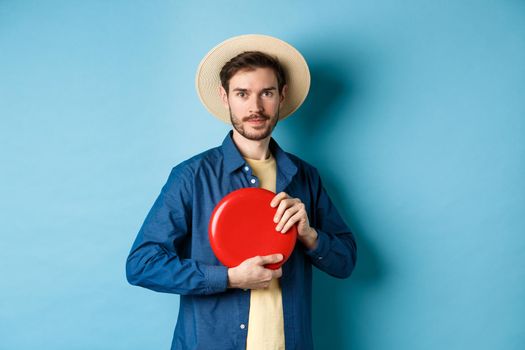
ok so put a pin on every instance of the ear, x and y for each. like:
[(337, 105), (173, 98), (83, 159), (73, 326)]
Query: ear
[(283, 94), (224, 96)]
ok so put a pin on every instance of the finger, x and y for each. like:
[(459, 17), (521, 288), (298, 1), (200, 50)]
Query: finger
[(270, 259), (264, 285), (285, 203), (280, 196), (267, 275), (277, 273), (299, 215), (286, 216), (298, 205), (293, 220)]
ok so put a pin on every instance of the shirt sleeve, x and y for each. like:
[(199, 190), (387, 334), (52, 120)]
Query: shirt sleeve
[(155, 260), (336, 250)]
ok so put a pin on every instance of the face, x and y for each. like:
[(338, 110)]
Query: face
[(253, 102)]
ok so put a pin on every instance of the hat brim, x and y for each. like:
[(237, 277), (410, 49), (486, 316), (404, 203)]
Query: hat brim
[(207, 80)]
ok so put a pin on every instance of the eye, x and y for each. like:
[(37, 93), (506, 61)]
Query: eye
[(241, 94), (268, 93)]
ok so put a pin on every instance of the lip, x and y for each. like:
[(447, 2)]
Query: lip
[(256, 121)]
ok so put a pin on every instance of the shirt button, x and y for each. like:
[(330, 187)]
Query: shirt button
[(319, 258), (245, 290), (243, 326), (252, 181), (246, 168)]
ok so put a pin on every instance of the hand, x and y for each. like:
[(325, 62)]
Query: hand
[(251, 274), (290, 212)]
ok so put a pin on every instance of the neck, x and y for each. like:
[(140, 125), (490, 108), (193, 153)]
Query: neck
[(252, 149)]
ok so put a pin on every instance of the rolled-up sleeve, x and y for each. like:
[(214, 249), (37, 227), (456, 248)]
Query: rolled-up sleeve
[(336, 250), (155, 260)]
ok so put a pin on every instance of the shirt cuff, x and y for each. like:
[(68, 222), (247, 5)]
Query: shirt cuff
[(319, 252), (217, 277)]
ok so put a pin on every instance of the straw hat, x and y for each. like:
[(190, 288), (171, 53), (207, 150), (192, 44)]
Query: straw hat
[(207, 80)]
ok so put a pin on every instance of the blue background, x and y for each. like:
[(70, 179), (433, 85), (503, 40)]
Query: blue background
[(415, 120)]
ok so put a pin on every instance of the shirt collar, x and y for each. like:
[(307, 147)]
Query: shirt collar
[(233, 159)]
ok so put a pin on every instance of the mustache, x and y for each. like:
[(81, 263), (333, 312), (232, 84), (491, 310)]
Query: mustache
[(256, 116)]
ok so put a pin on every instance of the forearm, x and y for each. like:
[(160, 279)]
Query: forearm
[(334, 254), (336, 249), (151, 266)]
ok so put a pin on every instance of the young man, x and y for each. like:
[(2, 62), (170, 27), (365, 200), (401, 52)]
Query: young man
[(260, 80)]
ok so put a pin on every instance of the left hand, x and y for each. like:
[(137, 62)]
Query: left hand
[(292, 211)]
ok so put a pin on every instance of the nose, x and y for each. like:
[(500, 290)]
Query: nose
[(256, 105)]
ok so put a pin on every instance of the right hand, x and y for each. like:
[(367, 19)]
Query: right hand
[(251, 273)]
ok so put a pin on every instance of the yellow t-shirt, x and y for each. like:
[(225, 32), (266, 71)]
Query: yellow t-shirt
[(266, 321)]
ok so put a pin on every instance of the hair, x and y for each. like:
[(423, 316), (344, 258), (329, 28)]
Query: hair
[(250, 60)]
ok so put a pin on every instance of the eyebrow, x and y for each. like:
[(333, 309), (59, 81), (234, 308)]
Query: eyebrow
[(265, 89)]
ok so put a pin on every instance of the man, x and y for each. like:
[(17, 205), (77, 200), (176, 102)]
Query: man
[(260, 81)]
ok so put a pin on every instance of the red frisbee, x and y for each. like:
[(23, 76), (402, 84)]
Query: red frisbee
[(241, 227)]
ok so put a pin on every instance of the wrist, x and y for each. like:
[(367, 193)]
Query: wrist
[(310, 240), (231, 278)]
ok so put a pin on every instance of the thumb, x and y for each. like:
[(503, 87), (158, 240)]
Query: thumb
[(271, 259)]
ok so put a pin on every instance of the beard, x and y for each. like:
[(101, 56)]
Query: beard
[(261, 132)]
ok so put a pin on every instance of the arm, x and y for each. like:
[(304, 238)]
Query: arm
[(335, 251), (155, 261), (328, 242)]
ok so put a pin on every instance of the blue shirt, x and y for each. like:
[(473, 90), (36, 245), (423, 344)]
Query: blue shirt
[(172, 254)]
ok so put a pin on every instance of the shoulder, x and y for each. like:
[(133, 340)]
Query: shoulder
[(303, 167), (191, 165), (186, 170)]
